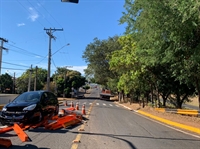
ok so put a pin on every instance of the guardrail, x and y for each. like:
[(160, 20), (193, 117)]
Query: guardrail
[(180, 111)]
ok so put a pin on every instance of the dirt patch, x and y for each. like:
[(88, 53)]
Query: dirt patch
[(193, 101)]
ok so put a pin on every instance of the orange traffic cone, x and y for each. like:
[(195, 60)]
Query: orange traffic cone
[(83, 110), (72, 104), (77, 107), (66, 103)]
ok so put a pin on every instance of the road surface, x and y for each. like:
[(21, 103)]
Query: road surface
[(109, 126)]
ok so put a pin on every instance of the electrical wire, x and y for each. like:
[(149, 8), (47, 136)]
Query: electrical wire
[(49, 14), (12, 68), (15, 64), (39, 12), (29, 12), (24, 50)]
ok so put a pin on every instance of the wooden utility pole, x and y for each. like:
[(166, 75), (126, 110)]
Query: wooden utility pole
[(29, 82), (1, 50), (13, 87), (35, 83), (49, 32)]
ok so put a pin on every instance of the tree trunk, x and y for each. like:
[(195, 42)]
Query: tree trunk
[(152, 101), (178, 101), (198, 90), (121, 96)]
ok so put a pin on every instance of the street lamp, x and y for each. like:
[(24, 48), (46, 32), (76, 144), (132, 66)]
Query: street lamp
[(49, 65), (60, 49)]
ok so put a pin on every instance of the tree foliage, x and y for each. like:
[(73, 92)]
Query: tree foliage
[(66, 79), (97, 54), (167, 32), (22, 81), (6, 82)]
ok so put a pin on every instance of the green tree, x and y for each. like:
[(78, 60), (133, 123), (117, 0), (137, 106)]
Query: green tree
[(66, 79), (167, 32), (22, 81), (6, 82), (97, 54)]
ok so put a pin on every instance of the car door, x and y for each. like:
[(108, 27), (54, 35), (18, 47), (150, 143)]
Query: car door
[(45, 102)]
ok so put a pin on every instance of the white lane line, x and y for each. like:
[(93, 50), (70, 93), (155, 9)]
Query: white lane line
[(90, 103), (97, 103), (111, 105), (104, 104)]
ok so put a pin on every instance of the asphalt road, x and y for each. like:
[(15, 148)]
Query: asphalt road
[(109, 126), (6, 98)]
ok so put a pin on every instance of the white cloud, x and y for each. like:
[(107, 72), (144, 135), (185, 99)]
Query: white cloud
[(33, 14), (20, 24), (78, 68)]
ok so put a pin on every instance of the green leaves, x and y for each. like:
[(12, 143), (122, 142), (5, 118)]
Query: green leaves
[(97, 54)]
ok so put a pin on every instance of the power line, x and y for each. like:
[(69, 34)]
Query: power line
[(25, 50), (39, 12), (50, 14), (29, 12), (54, 63), (15, 64), (12, 68)]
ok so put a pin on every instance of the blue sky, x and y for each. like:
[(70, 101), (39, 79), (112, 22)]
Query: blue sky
[(22, 23)]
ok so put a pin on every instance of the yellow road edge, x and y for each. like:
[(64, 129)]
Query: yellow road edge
[(78, 137), (189, 128)]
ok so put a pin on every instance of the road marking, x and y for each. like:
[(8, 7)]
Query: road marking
[(78, 137), (90, 103), (168, 123), (110, 105), (97, 103)]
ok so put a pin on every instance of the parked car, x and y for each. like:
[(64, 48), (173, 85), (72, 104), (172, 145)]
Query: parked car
[(29, 107)]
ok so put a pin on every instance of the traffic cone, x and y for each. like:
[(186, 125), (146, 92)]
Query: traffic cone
[(66, 103), (61, 112), (83, 110), (72, 104), (77, 107)]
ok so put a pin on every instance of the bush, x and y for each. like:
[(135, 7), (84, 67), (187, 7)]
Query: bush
[(86, 87)]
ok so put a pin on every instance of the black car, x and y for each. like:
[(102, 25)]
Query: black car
[(30, 107)]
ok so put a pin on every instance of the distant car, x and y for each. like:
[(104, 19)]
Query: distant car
[(29, 107)]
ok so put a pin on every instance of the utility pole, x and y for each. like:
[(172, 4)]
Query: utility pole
[(35, 83), (13, 90), (55, 83), (49, 32), (29, 82), (1, 50)]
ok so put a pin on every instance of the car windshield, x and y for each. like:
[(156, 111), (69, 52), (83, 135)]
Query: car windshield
[(28, 97)]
